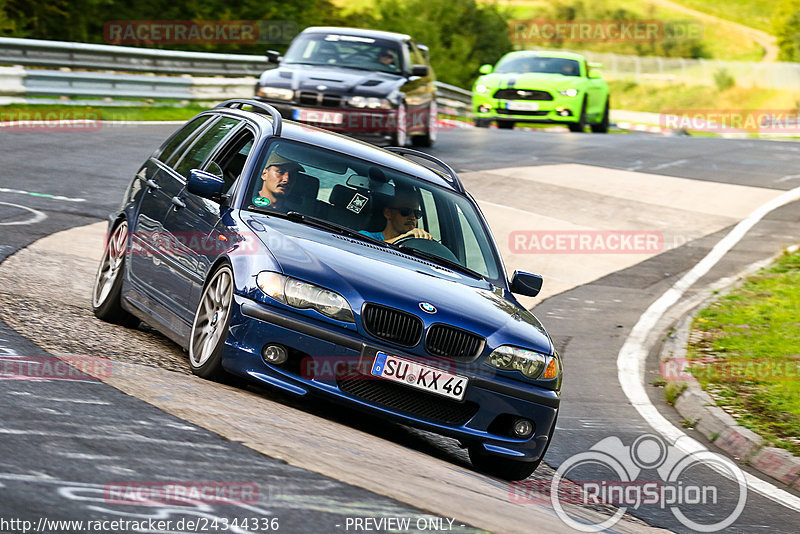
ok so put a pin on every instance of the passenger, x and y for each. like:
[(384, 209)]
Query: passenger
[(402, 216), (278, 179)]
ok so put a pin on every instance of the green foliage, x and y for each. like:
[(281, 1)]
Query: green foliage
[(786, 27), (461, 34), (723, 80), (673, 391)]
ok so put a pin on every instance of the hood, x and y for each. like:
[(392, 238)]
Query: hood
[(363, 272), (335, 80)]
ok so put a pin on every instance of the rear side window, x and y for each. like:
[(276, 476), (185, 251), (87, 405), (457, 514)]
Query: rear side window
[(182, 135), (200, 149)]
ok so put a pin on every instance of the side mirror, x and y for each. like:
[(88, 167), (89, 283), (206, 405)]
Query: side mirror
[(486, 69), (419, 70), (526, 283), (204, 184), (425, 50), (273, 56)]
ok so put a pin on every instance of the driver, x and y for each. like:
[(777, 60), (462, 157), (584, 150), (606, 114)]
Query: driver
[(277, 181), (401, 216)]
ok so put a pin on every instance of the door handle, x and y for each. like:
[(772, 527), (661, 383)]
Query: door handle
[(178, 203), (152, 184)]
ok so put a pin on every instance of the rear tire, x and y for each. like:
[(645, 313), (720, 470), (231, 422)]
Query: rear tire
[(210, 326), (107, 290)]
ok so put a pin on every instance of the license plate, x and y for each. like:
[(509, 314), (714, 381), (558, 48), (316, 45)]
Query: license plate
[(419, 376), (522, 106), (320, 117)]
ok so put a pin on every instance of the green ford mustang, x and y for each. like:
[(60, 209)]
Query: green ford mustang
[(541, 87)]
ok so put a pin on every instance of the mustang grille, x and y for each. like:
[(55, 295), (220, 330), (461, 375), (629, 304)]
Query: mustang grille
[(452, 342), (522, 94), (409, 401), (392, 325)]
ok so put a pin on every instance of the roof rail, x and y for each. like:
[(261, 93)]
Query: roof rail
[(454, 180), (237, 103)]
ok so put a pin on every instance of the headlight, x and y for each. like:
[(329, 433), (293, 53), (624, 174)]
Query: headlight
[(569, 92), (528, 362), (369, 102), (303, 295), (480, 88), (278, 93)]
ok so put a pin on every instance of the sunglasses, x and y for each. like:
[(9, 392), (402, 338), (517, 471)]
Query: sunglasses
[(405, 212)]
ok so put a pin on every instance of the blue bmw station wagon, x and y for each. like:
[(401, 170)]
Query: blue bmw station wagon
[(318, 264)]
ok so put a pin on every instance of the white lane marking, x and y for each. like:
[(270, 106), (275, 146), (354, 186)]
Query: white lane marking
[(41, 195), (37, 216), (787, 178), (670, 164), (632, 355)]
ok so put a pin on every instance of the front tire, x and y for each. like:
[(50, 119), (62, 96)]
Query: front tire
[(107, 290), (400, 136), (602, 126), (580, 126), (505, 125), (429, 137), (482, 123), (210, 326)]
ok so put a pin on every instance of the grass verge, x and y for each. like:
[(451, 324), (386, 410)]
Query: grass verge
[(745, 352)]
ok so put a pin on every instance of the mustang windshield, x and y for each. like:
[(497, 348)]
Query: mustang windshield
[(346, 51), (548, 65), (373, 200)]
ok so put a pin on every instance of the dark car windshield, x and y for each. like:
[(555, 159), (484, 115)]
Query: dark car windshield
[(549, 65), (355, 194), (346, 51)]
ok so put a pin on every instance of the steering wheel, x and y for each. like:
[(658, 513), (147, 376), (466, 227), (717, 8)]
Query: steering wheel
[(428, 245)]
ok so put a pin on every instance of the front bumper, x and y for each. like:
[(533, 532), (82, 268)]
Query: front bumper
[(560, 110), (374, 125), (333, 363)]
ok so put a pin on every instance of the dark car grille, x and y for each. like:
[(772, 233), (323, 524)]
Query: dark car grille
[(409, 401), (313, 98), (522, 94), (392, 325), (452, 342), (501, 111)]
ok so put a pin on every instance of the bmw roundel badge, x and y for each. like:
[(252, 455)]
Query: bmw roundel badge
[(427, 307)]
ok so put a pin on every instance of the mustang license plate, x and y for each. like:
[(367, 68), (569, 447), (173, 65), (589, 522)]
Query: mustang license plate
[(419, 376), (522, 106)]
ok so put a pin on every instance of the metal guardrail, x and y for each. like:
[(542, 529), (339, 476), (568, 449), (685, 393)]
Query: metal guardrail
[(56, 54), (235, 68)]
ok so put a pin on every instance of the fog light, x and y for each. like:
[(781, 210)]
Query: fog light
[(484, 108), (523, 428), (274, 354)]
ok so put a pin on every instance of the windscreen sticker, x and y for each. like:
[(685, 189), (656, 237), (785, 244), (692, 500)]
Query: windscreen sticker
[(358, 203), (261, 201)]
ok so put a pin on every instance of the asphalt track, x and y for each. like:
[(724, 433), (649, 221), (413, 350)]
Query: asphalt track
[(596, 301)]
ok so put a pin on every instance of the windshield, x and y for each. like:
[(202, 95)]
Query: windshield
[(346, 51), (550, 65), (378, 202)]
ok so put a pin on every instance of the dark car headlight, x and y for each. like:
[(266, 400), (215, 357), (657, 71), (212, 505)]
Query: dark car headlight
[(370, 102), (528, 362), (276, 93), (303, 295)]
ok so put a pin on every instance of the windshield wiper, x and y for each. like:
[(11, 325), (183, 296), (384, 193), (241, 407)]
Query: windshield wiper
[(327, 225), (440, 260)]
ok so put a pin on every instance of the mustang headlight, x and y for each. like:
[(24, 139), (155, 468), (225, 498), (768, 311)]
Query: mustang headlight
[(569, 92), (278, 93), (370, 102), (528, 362), (480, 88), (299, 294)]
